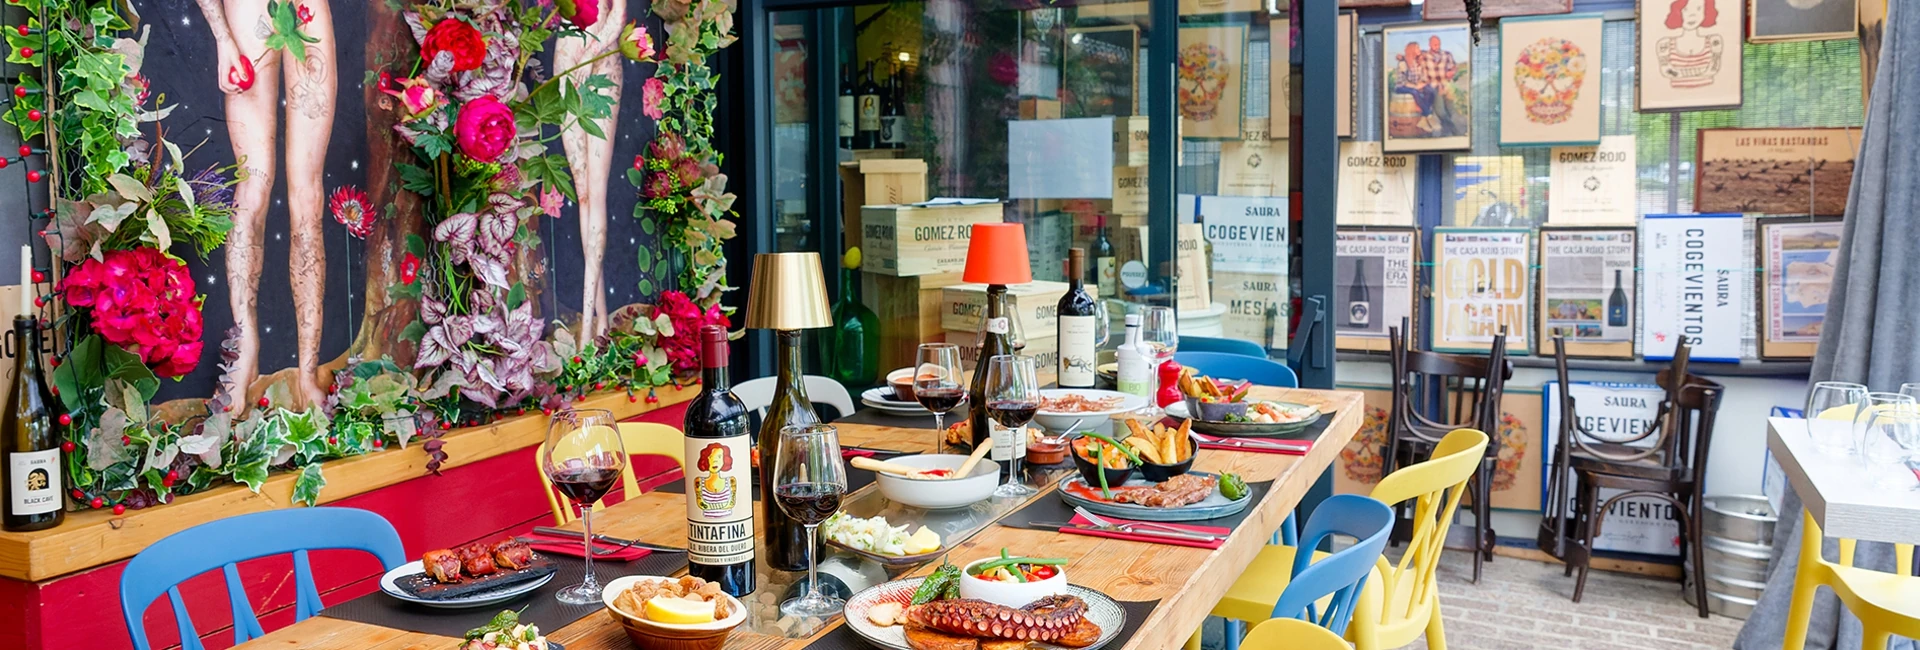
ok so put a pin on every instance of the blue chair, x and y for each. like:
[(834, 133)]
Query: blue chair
[(1259, 370), (1310, 576), (1228, 346), (226, 542)]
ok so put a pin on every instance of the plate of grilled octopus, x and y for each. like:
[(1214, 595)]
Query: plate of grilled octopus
[(884, 615), (474, 575)]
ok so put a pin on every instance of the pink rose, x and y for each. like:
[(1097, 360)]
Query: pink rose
[(582, 13), (636, 43), (485, 129), (416, 95), (651, 95)]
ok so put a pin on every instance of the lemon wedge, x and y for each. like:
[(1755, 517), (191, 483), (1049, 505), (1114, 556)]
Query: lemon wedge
[(922, 541), (679, 611)]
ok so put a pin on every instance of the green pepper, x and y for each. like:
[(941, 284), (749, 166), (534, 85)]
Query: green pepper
[(943, 579), (1233, 487)]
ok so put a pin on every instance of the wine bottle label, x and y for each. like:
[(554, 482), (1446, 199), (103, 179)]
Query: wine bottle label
[(1135, 375), (892, 130), (719, 500), (998, 325), (869, 112), (1077, 351), (36, 482), (1358, 313), (1007, 443), (1104, 267), (846, 116)]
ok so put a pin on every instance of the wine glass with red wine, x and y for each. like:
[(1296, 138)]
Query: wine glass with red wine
[(808, 481), (584, 458), (936, 384), (1013, 396)]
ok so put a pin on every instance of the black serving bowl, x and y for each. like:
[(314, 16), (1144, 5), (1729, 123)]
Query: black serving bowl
[(1089, 472), (1156, 472)]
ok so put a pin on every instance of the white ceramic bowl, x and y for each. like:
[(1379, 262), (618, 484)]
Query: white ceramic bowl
[(937, 494), (1098, 421), (1010, 594)]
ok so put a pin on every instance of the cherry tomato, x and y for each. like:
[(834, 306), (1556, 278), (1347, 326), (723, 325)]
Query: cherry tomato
[(1043, 572)]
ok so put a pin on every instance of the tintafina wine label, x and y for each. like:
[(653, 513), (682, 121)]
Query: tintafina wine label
[(719, 501)]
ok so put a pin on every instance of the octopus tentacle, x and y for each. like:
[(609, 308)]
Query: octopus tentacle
[(1046, 619)]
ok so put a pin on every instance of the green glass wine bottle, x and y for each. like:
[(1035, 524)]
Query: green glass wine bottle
[(852, 356)]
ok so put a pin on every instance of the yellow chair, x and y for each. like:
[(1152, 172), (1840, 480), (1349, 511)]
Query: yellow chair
[(1405, 603), (640, 439), (1292, 634), (1886, 603), (1439, 484)]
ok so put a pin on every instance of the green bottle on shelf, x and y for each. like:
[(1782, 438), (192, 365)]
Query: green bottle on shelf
[(852, 353)]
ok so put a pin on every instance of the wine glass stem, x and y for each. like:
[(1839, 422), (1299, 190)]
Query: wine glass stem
[(1014, 455), (813, 568), (939, 430), (586, 520)]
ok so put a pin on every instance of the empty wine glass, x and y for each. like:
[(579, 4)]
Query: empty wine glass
[(1160, 334), (936, 384), (1013, 396), (584, 458), (1830, 410), (1911, 389), (1889, 434), (808, 482), (1874, 401)]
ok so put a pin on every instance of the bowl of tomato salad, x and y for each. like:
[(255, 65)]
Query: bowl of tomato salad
[(1013, 580)]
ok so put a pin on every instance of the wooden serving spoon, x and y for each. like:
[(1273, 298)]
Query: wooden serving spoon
[(979, 452), (896, 469)]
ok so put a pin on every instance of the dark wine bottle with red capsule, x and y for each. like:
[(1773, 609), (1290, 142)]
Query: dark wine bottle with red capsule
[(719, 475)]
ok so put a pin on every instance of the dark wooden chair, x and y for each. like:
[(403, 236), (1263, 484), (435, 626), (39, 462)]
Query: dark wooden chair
[(1434, 394), (1667, 461)]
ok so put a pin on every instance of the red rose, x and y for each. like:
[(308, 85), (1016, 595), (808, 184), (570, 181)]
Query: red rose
[(485, 129), (458, 39), (582, 13), (409, 269)]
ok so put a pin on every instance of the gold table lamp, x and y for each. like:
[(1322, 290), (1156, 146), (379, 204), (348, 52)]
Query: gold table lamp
[(787, 292)]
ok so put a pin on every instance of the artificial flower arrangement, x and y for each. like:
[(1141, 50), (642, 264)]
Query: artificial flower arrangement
[(679, 177)]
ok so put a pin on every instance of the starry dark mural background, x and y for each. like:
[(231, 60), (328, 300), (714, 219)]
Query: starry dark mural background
[(182, 66)]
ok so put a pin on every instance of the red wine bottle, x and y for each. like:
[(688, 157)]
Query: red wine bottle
[(785, 537), (995, 340), (719, 475), (29, 442), (1077, 331)]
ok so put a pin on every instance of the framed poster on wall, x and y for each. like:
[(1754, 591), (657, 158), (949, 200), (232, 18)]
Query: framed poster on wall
[(1210, 70), (1516, 468), (1361, 464), (1688, 54), (1594, 186), (1102, 75), (1694, 285), (1427, 80), (1873, 26), (1373, 284), (1799, 20), (1614, 412), (1549, 80), (1775, 171), (1797, 260), (1375, 189), (1346, 67), (1587, 283), (1482, 284), (1457, 9)]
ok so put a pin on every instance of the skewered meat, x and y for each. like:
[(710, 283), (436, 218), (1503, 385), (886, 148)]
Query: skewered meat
[(476, 559), (1046, 619), (1171, 493), (441, 565), (511, 554)]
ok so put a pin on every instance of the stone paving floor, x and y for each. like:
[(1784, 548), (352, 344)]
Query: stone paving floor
[(1523, 604)]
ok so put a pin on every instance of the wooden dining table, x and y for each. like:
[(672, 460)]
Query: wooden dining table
[(1186, 581)]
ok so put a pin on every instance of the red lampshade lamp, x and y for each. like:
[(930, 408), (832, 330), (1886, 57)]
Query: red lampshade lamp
[(997, 254)]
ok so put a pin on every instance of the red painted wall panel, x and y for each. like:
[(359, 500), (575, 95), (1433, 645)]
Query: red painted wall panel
[(83, 610)]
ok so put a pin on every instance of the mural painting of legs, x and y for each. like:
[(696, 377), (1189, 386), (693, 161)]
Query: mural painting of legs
[(310, 100), (590, 159), (248, 73)]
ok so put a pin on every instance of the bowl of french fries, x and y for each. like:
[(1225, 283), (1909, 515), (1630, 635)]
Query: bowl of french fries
[(1213, 400), (1165, 452)]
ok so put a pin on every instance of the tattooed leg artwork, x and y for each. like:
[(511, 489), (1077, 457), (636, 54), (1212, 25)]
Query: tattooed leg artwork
[(310, 93), (247, 74), (590, 159)]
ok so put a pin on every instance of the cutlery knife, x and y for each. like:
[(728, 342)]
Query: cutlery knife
[(574, 534), (1134, 526), (1148, 532)]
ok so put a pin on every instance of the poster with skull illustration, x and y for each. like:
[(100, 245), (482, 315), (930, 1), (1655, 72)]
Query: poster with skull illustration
[(1211, 60), (1550, 80)]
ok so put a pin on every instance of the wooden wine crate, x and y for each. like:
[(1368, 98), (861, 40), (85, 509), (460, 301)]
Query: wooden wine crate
[(1049, 235), (1039, 109), (878, 181), (1130, 190), (909, 240), (1045, 351), (1036, 303), (909, 311), (1130, 141)]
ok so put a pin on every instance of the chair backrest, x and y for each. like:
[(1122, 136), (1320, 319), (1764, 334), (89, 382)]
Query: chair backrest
[(1343, 574), (1292, 634), (1222, 345), (1435, 393), (757, 394), (1224, 365), (227, 542), (639, 439), (1436, 487), (1665, 440)]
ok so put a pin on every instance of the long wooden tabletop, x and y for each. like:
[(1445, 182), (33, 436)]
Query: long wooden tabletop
[(1186, 581)]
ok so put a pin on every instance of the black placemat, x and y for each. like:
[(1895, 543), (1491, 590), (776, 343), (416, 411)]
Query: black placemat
[(542, 609), (844, 638), (1053, 508), (882, 418), (856, 478)]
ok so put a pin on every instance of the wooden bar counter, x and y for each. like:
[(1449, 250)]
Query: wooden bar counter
[(59, 588), (1186, 581)]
